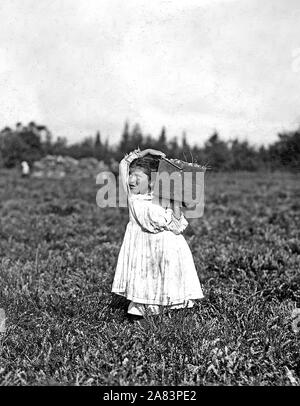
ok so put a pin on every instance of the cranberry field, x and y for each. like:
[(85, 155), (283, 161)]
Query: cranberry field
[(58, 253)]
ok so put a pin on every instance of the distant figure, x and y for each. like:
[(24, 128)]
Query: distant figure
[(25, 169)]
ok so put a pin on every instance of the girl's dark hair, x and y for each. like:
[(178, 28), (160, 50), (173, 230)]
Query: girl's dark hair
[(147, 164)]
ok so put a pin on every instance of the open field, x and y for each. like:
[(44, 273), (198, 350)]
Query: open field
[(58, 252)]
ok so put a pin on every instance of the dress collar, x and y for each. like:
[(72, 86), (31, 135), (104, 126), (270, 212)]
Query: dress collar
[(146, 196)]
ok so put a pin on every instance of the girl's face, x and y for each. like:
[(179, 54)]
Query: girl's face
[(138, 181)]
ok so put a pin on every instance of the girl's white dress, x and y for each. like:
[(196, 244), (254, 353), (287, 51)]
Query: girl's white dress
[(155, 265)]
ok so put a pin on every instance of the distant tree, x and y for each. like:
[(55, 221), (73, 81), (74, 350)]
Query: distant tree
[(19, 127), (74, 150), (31, 142), (136, 139), (124, 146), (98, 140), (243, 156), (60, 146), (263, 158), (87, 147), (185, 148), (198, 155), (150, 142), (6, 131), (32, 138), (90, 147), (13, 149), (184, 143), (21, 144), (98, 147), (285, 153), (161, 144), (47, 144), (173, 148), (217, 153), (107, 152)]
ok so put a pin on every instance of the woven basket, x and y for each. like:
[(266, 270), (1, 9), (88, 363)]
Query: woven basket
[(187, 186)]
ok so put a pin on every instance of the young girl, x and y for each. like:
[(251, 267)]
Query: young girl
[(155, 266)]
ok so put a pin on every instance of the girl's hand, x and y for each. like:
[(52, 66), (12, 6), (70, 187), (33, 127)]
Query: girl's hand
[(152, 152), (176, 209), (165, 203)]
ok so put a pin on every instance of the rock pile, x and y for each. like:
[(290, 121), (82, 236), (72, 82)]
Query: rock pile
[(57, 167)]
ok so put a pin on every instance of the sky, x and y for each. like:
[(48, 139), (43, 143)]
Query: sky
[(193, 66)]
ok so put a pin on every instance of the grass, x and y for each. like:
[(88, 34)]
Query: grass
[(58, 252)]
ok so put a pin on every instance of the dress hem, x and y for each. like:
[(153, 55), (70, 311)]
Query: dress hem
[(157, 302)]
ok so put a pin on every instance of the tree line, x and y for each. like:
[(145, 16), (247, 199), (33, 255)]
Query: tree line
[(34, 141)]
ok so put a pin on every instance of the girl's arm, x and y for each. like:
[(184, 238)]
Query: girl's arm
[(175, 206), (152, 152), (124, 167), (178, 222), (154, 218), (128, 158)]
